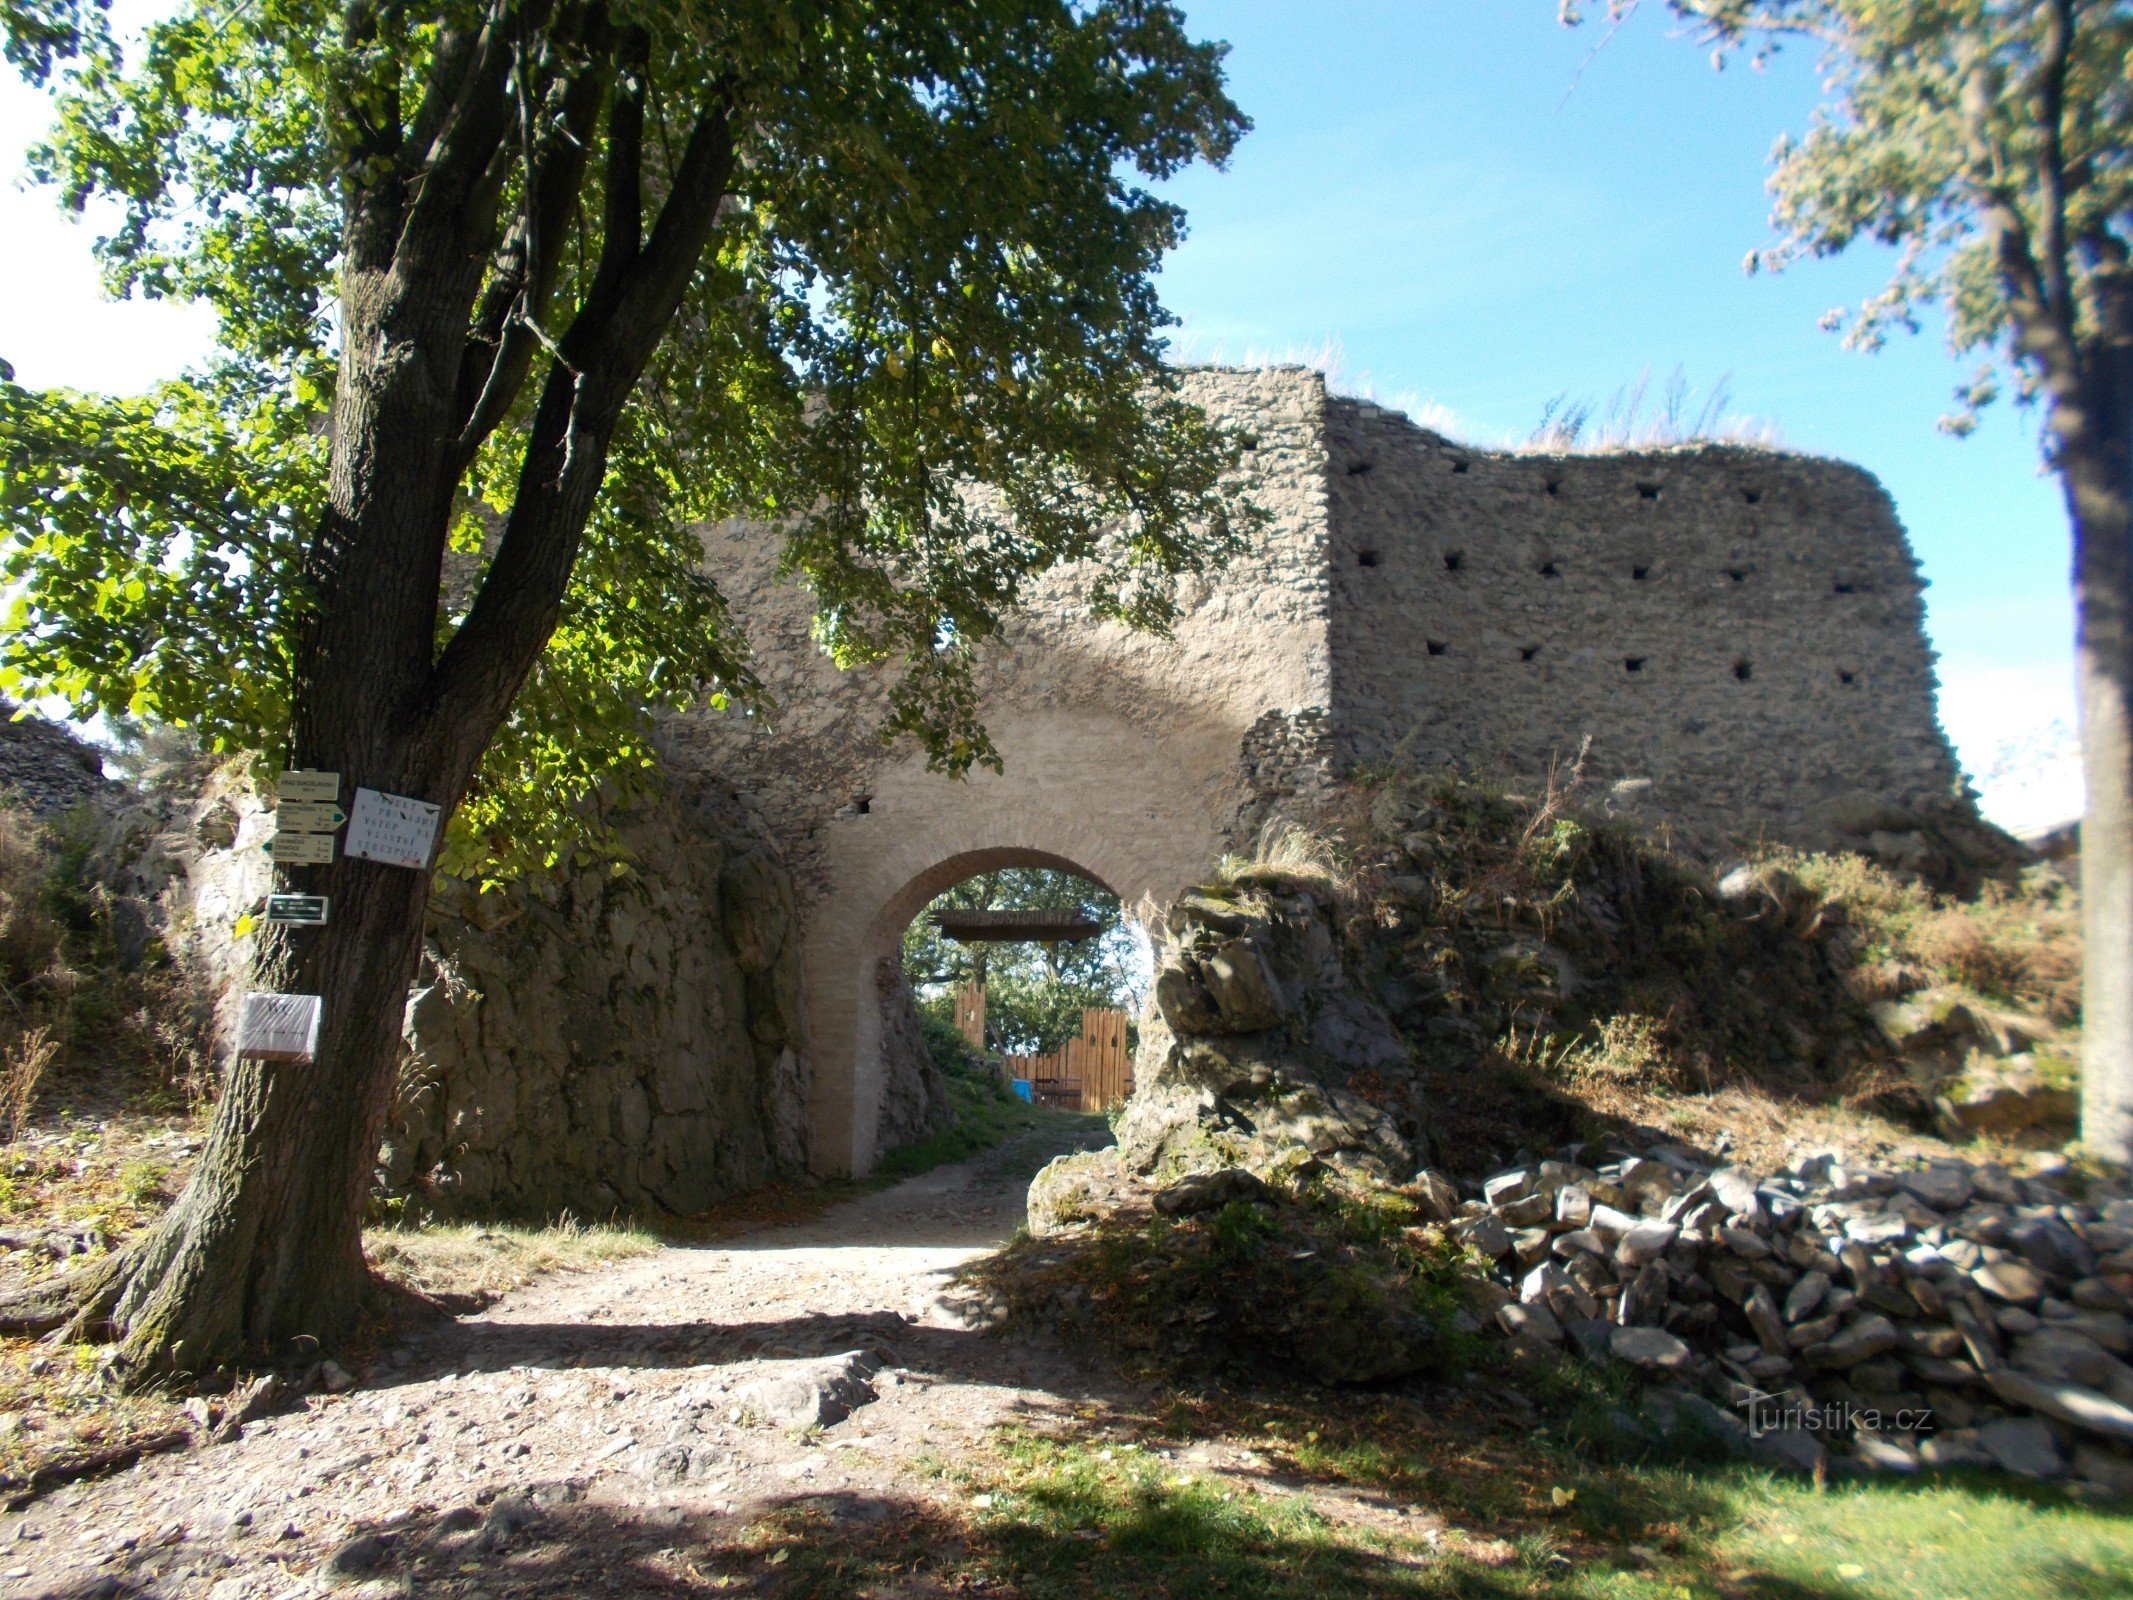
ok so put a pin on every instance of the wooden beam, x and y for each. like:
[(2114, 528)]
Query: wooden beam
[(1012, 927)]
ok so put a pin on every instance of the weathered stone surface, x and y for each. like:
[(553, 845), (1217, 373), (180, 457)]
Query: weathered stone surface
[(1792, 1449), (354, 1559), (1073, 1189), (1246, 993), (1651, 1348), (594, 1042), (1861, 1340), (810, 1394), (2065, 1402), (1210, 1191), (2016, 1282), (1946, 1188), (1209, 1097), (2022, 1446)]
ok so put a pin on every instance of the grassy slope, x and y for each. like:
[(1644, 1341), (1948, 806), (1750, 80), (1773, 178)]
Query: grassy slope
[(1454, 1496)]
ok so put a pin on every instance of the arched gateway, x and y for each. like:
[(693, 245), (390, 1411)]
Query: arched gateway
[(1736, 630)]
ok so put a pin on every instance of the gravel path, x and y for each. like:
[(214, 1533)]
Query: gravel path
[(584, 1432)]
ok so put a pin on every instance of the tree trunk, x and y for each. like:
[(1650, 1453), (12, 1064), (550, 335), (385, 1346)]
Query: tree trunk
[(265, 1244), (2097, 469)]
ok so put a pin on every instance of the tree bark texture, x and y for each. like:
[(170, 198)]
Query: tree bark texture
[(442, 304), (2097, 468)]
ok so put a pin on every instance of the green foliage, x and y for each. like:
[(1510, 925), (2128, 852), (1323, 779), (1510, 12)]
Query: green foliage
[(985, 1113), (1034, 993), (923, 349)]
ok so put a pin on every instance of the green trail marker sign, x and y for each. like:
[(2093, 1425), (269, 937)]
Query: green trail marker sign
[(297, 910)]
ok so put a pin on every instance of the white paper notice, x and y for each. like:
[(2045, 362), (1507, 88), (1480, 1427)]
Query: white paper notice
[(278, 1027), (391, 828)]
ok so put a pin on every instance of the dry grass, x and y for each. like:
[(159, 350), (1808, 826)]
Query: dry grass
[(56, 1407), (1562, 977), (482, 1260), (22, 1065), (1288, 849), (1632, 419), (2016, 945)]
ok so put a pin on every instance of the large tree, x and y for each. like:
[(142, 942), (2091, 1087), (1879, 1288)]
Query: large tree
[(1991, 142), (511, 292)]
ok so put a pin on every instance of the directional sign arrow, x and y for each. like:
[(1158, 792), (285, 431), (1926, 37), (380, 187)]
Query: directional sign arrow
[(301, 849), (308, 816)]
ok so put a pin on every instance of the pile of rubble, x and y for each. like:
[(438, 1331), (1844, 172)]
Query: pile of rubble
[(1953, 1315)]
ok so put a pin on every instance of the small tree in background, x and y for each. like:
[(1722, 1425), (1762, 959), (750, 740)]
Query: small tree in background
[(1991, 142), (1035, 993), (511, 293)]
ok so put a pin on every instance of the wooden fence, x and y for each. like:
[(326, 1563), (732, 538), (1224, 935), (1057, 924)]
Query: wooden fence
[(1091, 1073)]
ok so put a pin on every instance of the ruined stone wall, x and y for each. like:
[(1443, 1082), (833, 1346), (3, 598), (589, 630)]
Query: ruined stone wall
[(1130, 758), (588, 1041), (1740, 627), (598, 1041), (1736, 631), (1249, 656)]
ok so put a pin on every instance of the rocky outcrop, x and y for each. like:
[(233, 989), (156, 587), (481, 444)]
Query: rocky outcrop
[(914, 1094), (44, 767), (1260, 1050), (608, 1040), (1316, 1273)]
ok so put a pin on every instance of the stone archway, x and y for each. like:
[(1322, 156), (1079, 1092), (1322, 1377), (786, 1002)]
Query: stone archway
[(1083, 792)]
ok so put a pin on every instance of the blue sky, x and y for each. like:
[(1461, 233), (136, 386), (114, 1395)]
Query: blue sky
[(1437, 194), (1465, 211)]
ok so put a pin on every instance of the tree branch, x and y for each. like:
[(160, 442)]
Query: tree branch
[(453, 169), (2051, 94), (597, 363), (507, 326), (622, 212)]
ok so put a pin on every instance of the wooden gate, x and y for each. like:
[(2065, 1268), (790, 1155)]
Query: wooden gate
[(1091, 1073), (970, 1014)]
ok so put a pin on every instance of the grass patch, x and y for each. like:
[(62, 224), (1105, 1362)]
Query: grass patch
[(57, 1407), (449, 1259), (983, 1110), (1461, 1494)]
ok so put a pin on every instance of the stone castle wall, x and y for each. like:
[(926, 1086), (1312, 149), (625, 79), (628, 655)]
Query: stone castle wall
[(1129, 758), (1739, 627), (1737, 632)]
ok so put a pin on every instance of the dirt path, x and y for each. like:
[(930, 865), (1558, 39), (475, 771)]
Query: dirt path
[(589, 1430)]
